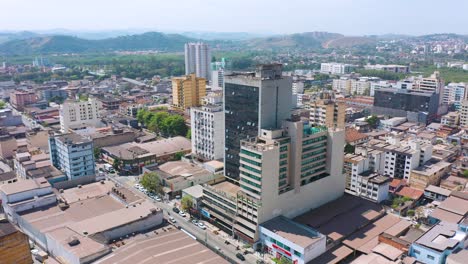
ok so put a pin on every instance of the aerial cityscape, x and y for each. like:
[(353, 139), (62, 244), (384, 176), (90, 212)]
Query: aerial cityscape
[(257, 132)]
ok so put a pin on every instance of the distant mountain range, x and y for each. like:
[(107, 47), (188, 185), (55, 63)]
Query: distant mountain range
[(31, 43)]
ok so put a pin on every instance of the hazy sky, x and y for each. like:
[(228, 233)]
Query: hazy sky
[(350, 17)]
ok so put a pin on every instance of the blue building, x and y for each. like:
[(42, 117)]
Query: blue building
[(73, 154), (49, 94), (436, 244)]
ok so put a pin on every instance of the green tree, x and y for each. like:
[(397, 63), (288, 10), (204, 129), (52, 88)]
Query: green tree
[(189, 134), (151, 182), (349, 149), (186, 203), (284, 260), (465, 173), (116, 164), (174, 125), (178, 155), (97, 153), (2, 104), (373, 121)]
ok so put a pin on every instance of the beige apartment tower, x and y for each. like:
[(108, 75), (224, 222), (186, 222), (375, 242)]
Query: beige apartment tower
[(188, 91), (328, 113)]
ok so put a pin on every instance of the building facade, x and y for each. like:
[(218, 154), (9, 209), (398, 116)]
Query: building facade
[(327, 113), (217, 74), (454, 94), (188, 91), (207, 128), (197, 60), (298, 165), (416, 106), (79, 114), (253, 101), (20, 99), (335, 68), (73, 154)]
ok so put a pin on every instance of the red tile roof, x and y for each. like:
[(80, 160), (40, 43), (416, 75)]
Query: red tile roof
[(410, 192), (352, 135)]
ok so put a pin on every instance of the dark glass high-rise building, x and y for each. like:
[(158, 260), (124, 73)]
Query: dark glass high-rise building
[(252, 101)]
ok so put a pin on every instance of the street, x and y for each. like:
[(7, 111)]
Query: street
[(204, 236)]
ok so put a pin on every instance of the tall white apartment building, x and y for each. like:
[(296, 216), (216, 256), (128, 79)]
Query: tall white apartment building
[(207, 128), (298, 87), (79, 114), (454, 93), (217, 74), (335, 68), (198, 59), (287, 172)]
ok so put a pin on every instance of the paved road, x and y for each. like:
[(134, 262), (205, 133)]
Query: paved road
[(203, 236)]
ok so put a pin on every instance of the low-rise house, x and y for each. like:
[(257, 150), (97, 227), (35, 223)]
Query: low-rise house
[(179, 175), (354, 137), (134, 156), (436, 193), (438, 242), (453, 209), (429, 174), (297, 242)]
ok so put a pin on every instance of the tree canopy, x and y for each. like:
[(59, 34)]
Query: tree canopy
[(151, 182), (186, 203), (163, 123)]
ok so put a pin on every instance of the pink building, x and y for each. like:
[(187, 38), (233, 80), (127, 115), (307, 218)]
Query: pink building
[(20, 99)]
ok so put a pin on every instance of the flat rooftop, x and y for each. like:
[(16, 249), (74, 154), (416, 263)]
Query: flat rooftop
[(182, 168), (86, 191), (298, 234), (227, 187), (24, 186), (172, 246)]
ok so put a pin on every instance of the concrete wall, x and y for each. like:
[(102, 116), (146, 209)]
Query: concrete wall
[(150, 221)]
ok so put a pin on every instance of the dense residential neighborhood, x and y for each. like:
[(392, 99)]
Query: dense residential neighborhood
[(234, 147)]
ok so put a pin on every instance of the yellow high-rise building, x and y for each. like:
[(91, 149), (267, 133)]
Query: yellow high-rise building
[(188, 91)]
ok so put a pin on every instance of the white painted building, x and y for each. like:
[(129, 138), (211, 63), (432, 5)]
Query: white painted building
[(363, 172), (285, 238), (335, 68), (454, 93), (79, 114), (26, 194), (207, 128)]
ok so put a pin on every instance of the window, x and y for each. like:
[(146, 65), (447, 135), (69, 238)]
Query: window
[(297, 253), (430, 257), (417, 252)]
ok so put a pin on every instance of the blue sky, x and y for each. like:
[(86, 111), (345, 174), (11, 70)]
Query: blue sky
[(349, 17)]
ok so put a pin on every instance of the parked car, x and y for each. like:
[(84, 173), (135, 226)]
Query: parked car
[(201, 225), (176, 210), (240, 256), (182, 213), (158, 199), (172, 219), (195, 222)]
